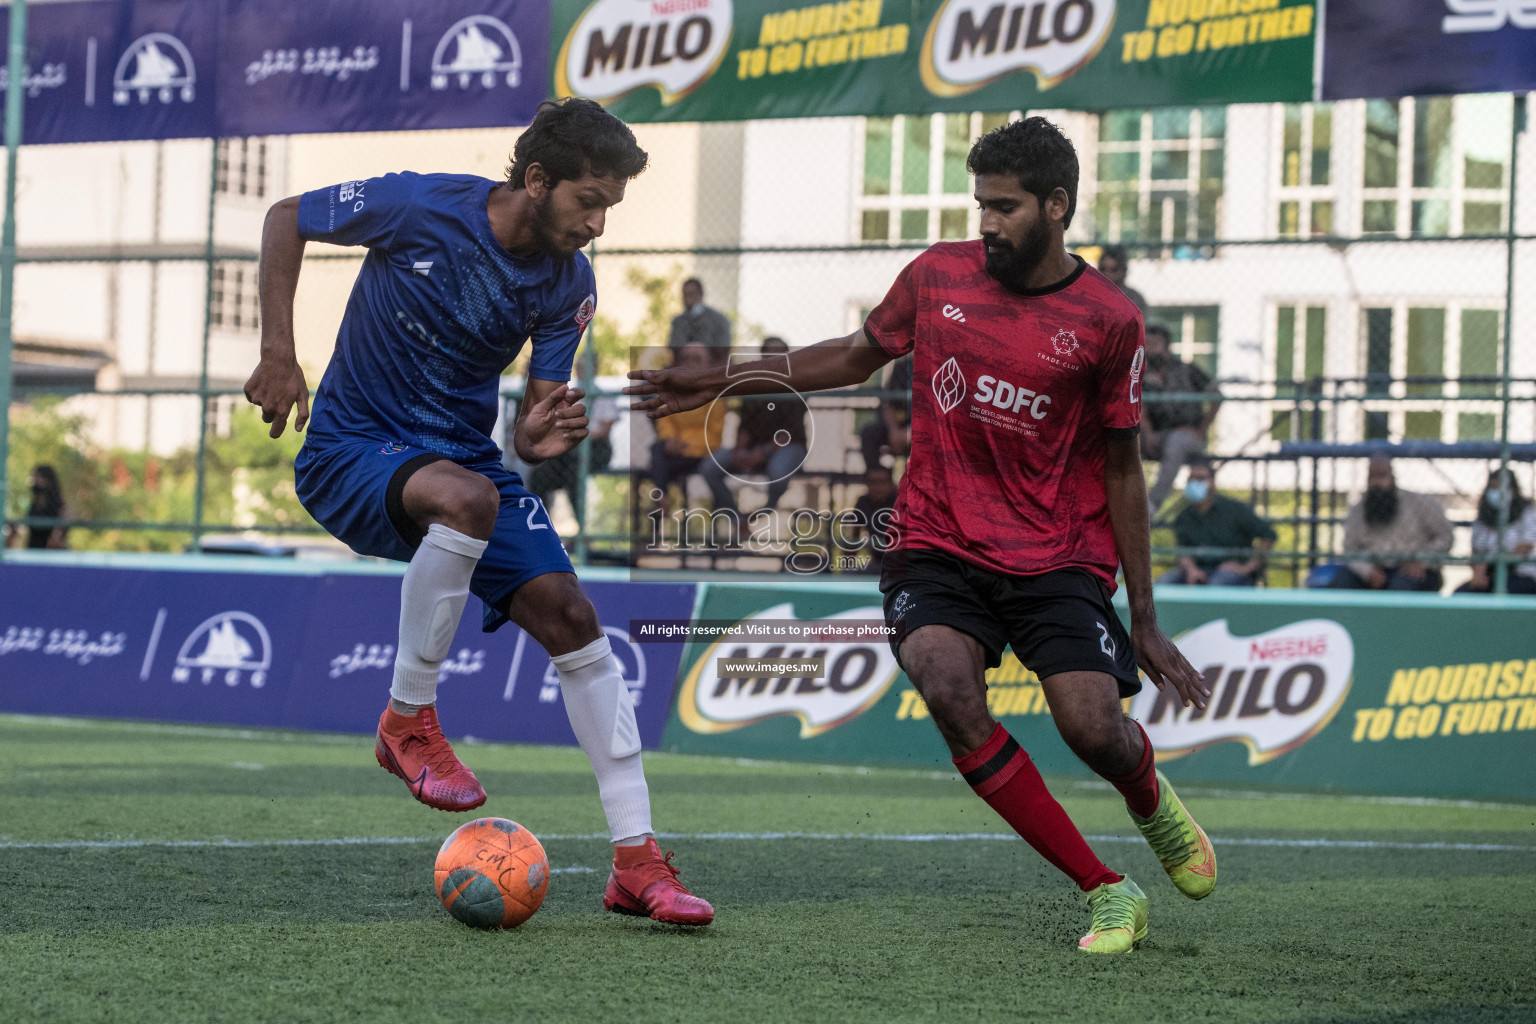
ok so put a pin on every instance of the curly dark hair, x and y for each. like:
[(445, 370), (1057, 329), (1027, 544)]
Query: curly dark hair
[(573, 138), (1036, 152)]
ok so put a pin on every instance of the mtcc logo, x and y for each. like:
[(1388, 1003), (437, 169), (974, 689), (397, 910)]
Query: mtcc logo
[(157, 64), (480, 45), (229, 643)]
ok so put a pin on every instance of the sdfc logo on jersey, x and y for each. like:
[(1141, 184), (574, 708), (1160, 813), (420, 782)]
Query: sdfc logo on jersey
[(949, 385), (586, 311), (1137, 361)]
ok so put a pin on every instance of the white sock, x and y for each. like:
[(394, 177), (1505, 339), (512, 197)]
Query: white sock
[(432, 598), (603, 718)]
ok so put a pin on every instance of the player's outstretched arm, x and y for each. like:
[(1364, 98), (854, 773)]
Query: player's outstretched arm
[(1126, 489), (277, 385), (837, 363)]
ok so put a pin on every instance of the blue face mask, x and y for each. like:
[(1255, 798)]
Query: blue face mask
[(1495, 497), (1197, 490)]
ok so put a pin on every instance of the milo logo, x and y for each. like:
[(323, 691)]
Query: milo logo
[(971, 43), (1271, 692), (618, 46), (729, 687)]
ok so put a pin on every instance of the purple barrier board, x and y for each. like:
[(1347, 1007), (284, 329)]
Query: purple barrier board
[(293, 651)]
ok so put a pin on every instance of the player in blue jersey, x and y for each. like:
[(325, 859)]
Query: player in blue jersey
[(461, 272)]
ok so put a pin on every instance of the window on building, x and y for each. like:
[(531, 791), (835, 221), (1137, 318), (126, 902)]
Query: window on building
[(236, 303), (1192, 332), (1436, 166), (1300, 350), (1306, 189), (1435, 353), (915, 186), (1159, 174), (242, 167)]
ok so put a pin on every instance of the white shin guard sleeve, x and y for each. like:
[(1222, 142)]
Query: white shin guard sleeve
[(603, 718), (432, 598)]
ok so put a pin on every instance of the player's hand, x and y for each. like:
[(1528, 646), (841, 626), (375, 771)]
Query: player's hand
[(674, 389), (278, 387), (1167, 667), (553, 426)]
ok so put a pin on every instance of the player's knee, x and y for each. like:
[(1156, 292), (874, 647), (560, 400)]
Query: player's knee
[(471, 506), (1098, 747), (559, 615), (578, 619), (950, 696)]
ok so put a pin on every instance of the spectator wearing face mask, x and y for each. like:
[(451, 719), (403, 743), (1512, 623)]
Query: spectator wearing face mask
[(1395, 525), (1519, 536), (1213, 520), (1173, 432), (699, 324)]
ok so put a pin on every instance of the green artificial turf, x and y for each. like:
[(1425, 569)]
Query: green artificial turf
[(840, 921)]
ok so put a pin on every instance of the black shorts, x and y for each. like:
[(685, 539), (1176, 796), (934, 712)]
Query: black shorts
[(1059, 621)]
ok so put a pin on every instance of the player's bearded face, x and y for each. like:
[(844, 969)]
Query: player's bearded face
[(1010, 261), (546, 228)]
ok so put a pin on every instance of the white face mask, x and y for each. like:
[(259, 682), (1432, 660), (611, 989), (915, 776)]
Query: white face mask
[(1197, 490), (696, 309), (1495, 497)]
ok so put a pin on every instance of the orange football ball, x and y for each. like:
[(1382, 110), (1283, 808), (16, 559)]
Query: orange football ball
[(491, 873)]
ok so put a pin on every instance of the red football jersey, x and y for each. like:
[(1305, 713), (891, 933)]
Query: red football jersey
[(1012, 397)]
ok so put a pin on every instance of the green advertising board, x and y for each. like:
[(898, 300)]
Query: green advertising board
[(728, 60), (1413, 695)]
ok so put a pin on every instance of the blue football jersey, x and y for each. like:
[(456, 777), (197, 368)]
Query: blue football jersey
[(439, 310)]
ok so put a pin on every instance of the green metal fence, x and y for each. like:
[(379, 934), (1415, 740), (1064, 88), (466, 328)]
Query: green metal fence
[(1391, 388)]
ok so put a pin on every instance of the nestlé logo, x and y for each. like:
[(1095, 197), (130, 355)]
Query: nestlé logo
[(1271, 692)]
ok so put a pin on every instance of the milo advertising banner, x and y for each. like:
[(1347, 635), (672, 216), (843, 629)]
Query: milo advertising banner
[(1416, 695), (724, 60)]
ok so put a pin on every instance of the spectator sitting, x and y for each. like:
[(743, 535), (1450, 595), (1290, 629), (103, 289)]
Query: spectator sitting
[(873, 512), (1115, 265), (560, 473), (770, 438), (686, 437), (1519, 536), (701, 324), (1389, 521), (47, 503), (1213, 520), (890, 428), (1173, 432)]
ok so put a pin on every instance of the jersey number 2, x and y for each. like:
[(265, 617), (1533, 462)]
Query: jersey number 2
[(537, 508)]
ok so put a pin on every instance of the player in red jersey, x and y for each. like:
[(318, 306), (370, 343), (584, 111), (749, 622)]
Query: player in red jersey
[(1023, 490)]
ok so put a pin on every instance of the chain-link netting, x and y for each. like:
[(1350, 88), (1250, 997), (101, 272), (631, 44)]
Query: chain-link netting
[(1333, 281)]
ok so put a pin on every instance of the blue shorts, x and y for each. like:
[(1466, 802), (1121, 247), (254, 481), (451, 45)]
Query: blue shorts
[(354, 488)]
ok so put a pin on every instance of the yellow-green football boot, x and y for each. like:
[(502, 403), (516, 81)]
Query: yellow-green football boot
[(1119, 918), (1181, 845)]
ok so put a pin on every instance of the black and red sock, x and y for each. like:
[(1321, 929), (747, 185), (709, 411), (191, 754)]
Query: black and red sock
[(1003, 775), (1139, 785)]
